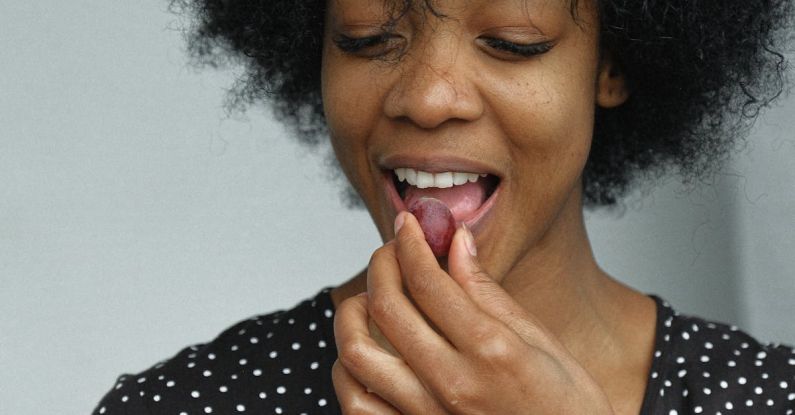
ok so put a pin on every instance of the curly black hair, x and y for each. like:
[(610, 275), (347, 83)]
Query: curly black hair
[(699, 74)]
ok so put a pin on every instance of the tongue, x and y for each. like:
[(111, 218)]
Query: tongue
[(462, 200)]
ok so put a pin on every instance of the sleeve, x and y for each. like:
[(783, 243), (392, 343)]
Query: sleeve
[(125, 398)]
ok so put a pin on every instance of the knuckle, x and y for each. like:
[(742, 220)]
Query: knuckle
[(421, 282), (381, 254), (356, 405), (496, 348), (461, 396), (352, 355), (381, 307)]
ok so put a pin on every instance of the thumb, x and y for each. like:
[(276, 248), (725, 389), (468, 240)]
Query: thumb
[(464, 268), (483, 290)]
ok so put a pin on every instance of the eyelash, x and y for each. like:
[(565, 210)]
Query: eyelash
[(355, 45), (523, 50)]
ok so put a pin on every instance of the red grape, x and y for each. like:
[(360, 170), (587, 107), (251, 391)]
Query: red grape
[(437, 223)]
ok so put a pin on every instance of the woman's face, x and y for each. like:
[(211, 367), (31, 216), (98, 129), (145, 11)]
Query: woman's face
[(501, 88)]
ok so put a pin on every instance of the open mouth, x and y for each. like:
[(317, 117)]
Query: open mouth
[(467, 195)]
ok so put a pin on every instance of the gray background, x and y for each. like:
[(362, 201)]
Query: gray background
[(136, 217)]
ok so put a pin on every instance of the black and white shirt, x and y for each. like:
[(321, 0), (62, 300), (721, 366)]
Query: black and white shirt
[(280, 363)]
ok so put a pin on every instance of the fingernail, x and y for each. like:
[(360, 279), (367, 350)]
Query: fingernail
[(469, 240), (399, 220)]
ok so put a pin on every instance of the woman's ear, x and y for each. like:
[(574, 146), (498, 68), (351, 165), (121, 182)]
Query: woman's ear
[(611, 86)]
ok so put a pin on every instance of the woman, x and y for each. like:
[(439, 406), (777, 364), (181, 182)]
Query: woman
[(514, 114)]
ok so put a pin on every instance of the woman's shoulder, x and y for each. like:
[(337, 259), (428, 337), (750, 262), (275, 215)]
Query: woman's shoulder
[(278, 362), (702, 366)]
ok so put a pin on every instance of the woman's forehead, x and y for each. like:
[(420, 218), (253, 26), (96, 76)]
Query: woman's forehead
[(439, 6)]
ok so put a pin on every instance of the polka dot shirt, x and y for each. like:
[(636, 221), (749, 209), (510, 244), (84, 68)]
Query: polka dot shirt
[(280, 363)]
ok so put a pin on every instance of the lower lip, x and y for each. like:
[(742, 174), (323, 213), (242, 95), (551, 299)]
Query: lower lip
[(471, 223)]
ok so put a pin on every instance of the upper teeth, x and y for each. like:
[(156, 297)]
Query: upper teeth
[(423, 179)]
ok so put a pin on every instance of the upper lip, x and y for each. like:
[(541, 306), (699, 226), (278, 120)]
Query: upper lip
[(436, 163)]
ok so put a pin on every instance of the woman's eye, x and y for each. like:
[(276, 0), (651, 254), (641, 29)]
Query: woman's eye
[(378, 46), (517, 49)]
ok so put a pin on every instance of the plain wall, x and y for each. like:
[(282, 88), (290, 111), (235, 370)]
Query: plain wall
[(136, 217)]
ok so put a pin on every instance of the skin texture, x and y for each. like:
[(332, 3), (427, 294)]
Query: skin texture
[(532, 315)]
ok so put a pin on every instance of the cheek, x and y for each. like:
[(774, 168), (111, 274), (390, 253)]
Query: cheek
[(352, 108)]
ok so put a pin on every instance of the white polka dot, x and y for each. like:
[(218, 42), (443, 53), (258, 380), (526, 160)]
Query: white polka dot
[(125, 398), (223, 388), (724, 384), (240, 408), (704, 359), (758, 390), (296, 346), (708, 345), (207, 373), (707, 391), (312, 326), (211, 356), (729, 406), (254, 340), (307, 391), (278, 410), (281, 390), (242, 362), (208, 409), (273, 354), (156, 398), (141, 380), (234, 348), (102, 410), (749, 403), (686, 335), (321, 344), (698, 409), (263, 395), (731, 363), (195, 394), (741, 380), (769, 402), (783, 385), (321, 402), (170, 383), (328, 313), (191, 364), (682, 373), (286, 371), (761, 355), (313, 365), (257, 372)]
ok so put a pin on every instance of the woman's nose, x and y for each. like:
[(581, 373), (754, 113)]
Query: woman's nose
[(434, 88)]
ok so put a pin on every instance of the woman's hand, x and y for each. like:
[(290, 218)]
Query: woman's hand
[(464, 346)]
